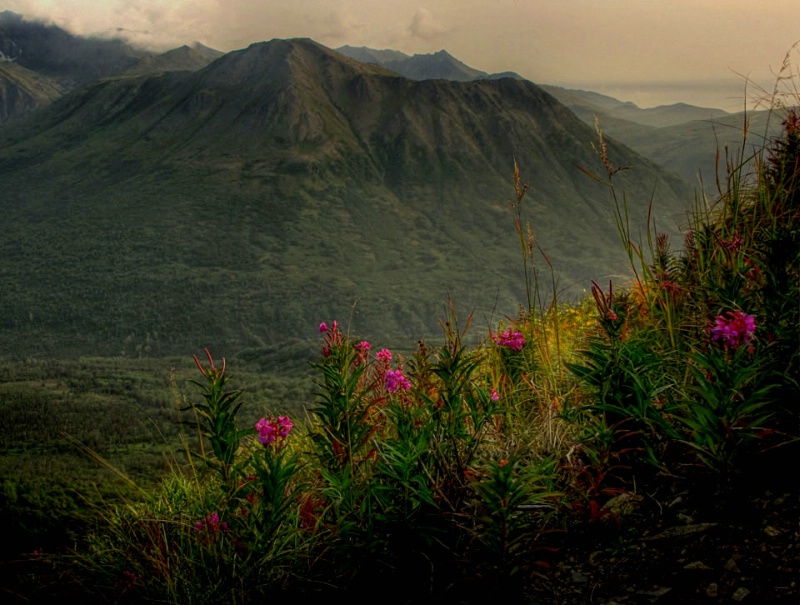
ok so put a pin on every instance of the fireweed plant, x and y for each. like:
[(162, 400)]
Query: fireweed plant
[(695, 366), (398, 443), (222, 535), (444, 473)]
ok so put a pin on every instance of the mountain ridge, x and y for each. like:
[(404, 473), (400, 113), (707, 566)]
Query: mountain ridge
[(439, 65), (183, 58)]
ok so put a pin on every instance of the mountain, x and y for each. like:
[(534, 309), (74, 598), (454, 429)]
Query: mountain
[(682, 138), (23, 90), (371, 55), (690, 149), (39, 62), (440, 65), (238, 205), (185, 58), (586, 103), (53, 52)]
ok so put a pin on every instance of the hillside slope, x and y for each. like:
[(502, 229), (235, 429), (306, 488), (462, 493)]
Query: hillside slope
[(22, 90)]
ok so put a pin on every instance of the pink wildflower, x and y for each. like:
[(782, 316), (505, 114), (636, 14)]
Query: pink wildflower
[(270, 429), (734, 330), (285, 426), (494, 396), (266, 431), (395, 379), (384, 355), (362, 351), (333, 338), (510, 340)]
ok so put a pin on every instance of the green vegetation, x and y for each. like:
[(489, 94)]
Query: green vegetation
[(49, 472), (458, 471)]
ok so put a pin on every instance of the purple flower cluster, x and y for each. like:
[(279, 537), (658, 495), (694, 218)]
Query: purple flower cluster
[(510, 339), (394, 379), (270, 429), (733, 329)]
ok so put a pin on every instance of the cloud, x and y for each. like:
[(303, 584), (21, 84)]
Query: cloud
[(576, 43), (424, 25)]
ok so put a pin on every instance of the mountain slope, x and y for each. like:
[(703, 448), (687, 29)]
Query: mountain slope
[(22, 90), (680, 137), (51, 51), (39, 62), (239, 205), (586, 103), (690, 149)]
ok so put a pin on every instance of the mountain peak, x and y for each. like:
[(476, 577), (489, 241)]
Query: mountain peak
[(278, 58), (371, 55), (439, 65), (183, 58)]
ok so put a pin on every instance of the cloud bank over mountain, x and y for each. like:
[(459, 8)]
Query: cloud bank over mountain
[(647, 48)]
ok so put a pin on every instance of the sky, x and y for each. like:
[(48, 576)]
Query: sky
[(717, 53)]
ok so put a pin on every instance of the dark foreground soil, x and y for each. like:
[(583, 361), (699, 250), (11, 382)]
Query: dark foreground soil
[(679, 546), (740, 547)]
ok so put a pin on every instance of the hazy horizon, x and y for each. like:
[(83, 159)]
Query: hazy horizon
[(701, 52)]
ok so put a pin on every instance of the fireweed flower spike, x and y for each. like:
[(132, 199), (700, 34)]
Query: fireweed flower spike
[(734, 330), (266, 431), (270, 429), (212, 369), (394, 380), (362, 349), (510, 340), (333, 337), (285, 426)]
